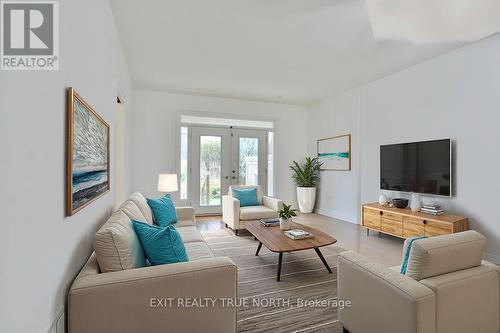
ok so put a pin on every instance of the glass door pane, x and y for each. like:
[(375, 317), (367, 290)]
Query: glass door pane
[(211, 167), (248, 161), (184, 163), (270, 164), (249, 158), (210, 170)]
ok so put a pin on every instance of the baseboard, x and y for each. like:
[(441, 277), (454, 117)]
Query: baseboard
[(492, 258), (337, 215)]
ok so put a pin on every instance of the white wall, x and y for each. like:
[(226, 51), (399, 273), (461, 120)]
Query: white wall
[(338, 193), (453, 96), (156, 124), (41, 251)]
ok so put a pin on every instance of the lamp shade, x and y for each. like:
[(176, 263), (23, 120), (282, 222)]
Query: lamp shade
[(167, 182)]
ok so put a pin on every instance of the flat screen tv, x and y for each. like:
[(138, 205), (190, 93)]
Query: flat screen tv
[(419, 167)]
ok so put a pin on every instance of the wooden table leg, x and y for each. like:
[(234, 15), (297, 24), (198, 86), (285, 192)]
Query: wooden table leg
[(258, 249), (320, 255), (280, 259)]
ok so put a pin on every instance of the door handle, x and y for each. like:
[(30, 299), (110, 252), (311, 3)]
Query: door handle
[(233, 177), (227, 177)]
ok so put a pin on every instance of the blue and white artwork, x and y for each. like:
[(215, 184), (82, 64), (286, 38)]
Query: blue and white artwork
[(89, 155), (335, 152)]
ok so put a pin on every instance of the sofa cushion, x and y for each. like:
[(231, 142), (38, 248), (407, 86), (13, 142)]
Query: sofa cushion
[(116, 245), (259, 191), (132, 211), (141, 202), (445, 254), (198, 250), (185, 213), (256, 213), (189, 234), (163, 210), (162, 245)]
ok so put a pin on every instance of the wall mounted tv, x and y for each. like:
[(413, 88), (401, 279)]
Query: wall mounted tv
[(419, 167)]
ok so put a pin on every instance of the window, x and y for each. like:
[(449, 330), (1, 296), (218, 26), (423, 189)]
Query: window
[(184, 163), (270, 165)]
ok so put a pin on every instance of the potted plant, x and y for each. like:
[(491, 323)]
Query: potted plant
[(286, 215), (306, 177)]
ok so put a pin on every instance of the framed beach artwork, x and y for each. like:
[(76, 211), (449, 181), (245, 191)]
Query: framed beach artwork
[(335, 152), (87, 154)]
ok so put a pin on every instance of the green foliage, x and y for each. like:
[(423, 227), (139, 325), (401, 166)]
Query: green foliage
[(307, 174), (287, 212), (210, 155), (248, 147)]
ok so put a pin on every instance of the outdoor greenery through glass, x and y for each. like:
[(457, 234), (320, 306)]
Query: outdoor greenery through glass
[(270, 167), (249, 161), (210, 170), (184, 163), (307, 174)]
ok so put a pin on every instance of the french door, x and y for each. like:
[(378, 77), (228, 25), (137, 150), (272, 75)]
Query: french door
[(222, 157)]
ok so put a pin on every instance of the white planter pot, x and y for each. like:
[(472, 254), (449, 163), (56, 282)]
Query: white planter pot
[(285, 224), (306, 197)]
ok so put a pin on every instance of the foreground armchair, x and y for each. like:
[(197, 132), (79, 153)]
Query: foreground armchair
[(235, 216), (446, 289)]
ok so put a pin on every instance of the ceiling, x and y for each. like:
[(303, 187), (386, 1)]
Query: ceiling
[(286, 51)]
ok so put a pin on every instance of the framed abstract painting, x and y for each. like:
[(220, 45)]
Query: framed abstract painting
[(88, 172), (335, 152)]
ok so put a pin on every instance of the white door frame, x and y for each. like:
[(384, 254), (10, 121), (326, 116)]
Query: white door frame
[(229, 161)]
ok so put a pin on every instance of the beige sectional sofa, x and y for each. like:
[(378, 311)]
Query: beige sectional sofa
[(116, 292), (447, 289)]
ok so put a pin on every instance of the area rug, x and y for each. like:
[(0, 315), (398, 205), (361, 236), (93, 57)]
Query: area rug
[(305, 300)]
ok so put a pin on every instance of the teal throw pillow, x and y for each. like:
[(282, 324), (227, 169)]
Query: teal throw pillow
[(163, 210), (404, 266), (246, 196), (161, 245)]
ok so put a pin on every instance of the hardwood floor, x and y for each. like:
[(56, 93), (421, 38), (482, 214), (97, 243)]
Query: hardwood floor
[(207, 223), (382, 248)]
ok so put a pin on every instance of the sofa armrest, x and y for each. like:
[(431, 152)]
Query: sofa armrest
[(467, 299), (185, 213), (382, 300), (136, 300), (273, 203), (231, 211)]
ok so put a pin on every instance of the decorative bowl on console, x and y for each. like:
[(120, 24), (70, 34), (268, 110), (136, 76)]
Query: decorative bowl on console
[(400, 202)]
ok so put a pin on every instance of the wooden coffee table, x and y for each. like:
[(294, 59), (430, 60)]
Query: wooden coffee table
[(274, 239)]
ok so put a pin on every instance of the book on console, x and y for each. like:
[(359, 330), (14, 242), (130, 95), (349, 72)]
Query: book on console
[(435, 212), (435, 207)]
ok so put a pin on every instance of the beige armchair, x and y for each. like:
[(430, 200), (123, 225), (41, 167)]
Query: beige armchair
[(235, 216), (447, 289)]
